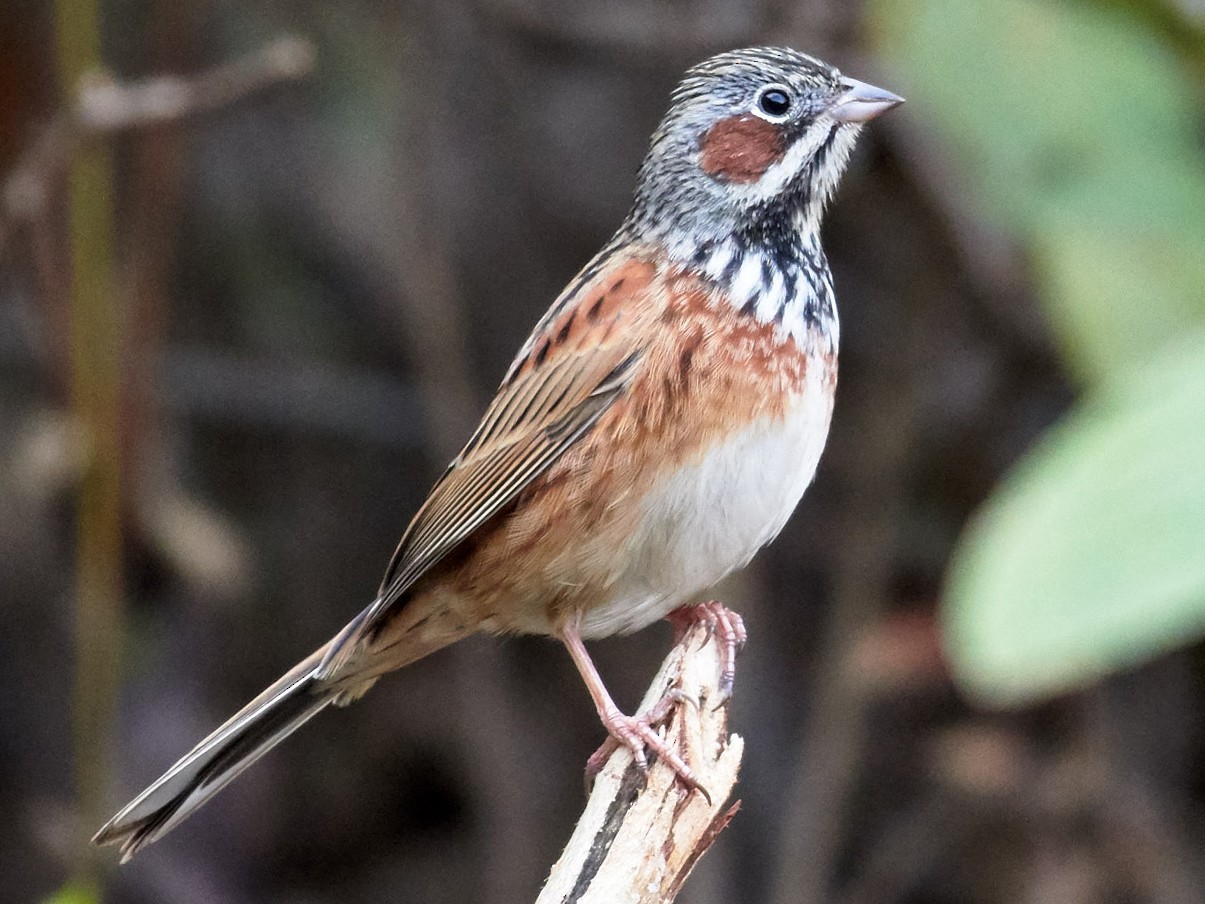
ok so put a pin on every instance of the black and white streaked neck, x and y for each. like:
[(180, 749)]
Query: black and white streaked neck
[(773, 269), (789, 285), (766, 256)]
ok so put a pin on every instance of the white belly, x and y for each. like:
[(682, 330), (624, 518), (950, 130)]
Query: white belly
[(712, 516)]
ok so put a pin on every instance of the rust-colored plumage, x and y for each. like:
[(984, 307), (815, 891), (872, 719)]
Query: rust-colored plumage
[(741, 148), (657, 428), (701, 374)]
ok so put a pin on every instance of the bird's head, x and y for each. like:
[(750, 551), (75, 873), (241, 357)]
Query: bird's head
[(751, 133)]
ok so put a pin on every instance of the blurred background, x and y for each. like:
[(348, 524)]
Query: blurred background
[(247, 316)]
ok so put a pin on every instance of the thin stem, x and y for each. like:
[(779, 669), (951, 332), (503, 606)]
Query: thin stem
[(95, 332)]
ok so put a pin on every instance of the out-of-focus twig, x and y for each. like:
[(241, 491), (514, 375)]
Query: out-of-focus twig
[(639, 837), (95, 340), (198, 542), (107, 106), (95, 107), (102, 106)]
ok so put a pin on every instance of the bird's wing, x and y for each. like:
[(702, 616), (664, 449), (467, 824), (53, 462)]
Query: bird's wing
[(578, 361)]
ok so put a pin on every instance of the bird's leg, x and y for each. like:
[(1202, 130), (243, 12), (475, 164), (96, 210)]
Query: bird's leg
[(633, 732), (655, 716), (728, 627)]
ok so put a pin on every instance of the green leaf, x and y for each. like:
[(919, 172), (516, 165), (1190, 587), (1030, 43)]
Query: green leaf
[(1075, 128), (1114, 296), (1091, 555)]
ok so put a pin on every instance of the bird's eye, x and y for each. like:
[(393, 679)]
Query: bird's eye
[(774, 102)]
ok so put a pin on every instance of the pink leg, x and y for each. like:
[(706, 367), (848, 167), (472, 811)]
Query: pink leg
[(634, 732), (725, 624)]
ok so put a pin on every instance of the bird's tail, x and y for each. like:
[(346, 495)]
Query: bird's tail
[(207, 768), (339, 672)]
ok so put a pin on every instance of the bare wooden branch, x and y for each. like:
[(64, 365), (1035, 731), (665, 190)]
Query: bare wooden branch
[(639, 837), (105, 106)]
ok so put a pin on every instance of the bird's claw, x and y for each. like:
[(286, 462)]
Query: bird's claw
[(638, 734), (726, 626)]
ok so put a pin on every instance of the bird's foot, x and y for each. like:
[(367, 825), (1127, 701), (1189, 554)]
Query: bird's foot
[(639, 734), (728, 628)]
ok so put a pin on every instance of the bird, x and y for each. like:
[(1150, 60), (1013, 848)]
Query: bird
[(657, 428)]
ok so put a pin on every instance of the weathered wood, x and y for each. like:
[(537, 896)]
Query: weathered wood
[(639, 837)]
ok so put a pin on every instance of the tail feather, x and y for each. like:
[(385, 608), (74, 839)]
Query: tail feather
[(327, 676), (207, 768)]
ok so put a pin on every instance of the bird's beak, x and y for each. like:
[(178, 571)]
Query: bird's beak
[(862, 102)]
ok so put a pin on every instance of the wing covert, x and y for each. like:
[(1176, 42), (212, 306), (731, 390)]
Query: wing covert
[(569, 373)]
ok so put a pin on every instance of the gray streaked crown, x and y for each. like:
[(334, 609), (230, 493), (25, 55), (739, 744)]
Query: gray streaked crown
[(683, 200)]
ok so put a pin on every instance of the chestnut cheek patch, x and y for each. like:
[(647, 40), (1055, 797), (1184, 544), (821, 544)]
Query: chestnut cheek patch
[(741, 148)]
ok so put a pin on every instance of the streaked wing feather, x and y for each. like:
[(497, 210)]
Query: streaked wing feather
[(499, 464), (490, 484), (538, 414)]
